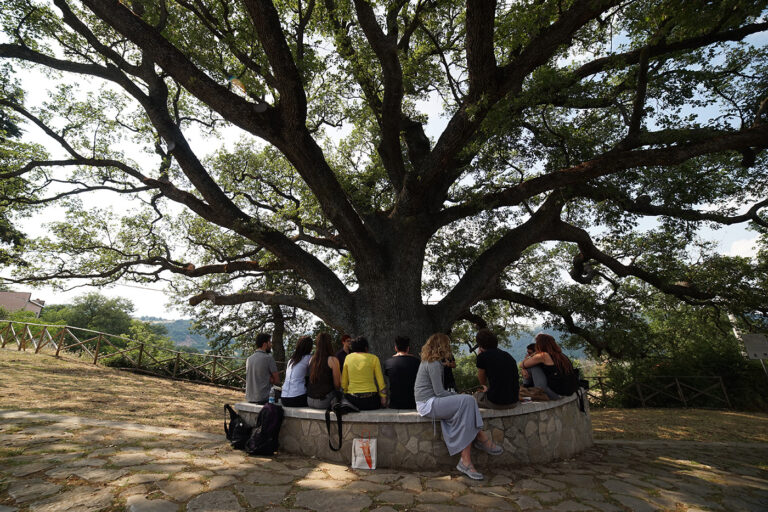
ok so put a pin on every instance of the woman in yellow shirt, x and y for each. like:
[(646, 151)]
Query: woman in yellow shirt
[(361, 377)]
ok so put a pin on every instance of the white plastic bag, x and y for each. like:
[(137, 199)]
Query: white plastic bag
[(364, 453)]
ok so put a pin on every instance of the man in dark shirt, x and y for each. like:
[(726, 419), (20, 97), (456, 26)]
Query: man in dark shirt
[(497, 373), (400, 371), (346, 342)]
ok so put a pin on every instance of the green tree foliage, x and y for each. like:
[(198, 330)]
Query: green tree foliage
[(669, 339), (465, 373), (95, 312), (578, 149), (13, 153)]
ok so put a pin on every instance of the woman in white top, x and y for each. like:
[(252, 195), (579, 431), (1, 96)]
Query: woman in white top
[(295, 386)]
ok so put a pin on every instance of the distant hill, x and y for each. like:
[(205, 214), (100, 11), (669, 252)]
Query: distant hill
[(515, 345), (179, 332)]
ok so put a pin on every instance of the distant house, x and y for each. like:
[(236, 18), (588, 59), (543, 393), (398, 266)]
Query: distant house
[(18, 301)]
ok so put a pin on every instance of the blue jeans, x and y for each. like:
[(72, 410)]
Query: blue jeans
[(540, 381)]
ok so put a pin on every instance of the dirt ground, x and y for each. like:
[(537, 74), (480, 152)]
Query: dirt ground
[(44, 383), (705, 425), (70, 386)]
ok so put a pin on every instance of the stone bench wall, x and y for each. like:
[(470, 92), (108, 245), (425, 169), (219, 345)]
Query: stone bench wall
[(530, 433)]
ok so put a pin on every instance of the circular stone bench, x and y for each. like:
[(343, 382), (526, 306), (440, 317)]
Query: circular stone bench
[(530, 433)]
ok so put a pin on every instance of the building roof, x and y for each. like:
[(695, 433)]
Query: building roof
[(17, 301)]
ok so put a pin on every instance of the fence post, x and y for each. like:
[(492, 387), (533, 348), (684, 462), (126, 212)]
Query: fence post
[(176, 364), (24, 337), (602, 391), (96, 352), (141, 353), (60, 335), (725, 393), (31, 338), (40, 341), (213, 369), (640, 393), (680, 393), (19, 342)]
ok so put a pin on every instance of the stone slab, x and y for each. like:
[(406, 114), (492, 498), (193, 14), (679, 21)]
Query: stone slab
[(323, 500), (79, 499), (181, 490), (142, 504), (434, 497), (27, 490), (214, 501), (261, 495), (395, 497)]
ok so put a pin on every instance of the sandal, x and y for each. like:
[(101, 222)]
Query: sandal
[(467, 470), (488, 447)]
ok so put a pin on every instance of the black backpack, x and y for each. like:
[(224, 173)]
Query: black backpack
[(569, 381), (264, 438), (237, 432)]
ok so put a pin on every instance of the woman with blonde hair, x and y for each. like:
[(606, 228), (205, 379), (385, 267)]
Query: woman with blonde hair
[(459, 415), (550, 369)]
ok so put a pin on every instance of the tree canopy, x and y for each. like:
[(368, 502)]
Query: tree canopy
[(93, 311), (396, 167)]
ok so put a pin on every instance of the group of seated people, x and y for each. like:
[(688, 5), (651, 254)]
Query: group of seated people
[(312, 380)]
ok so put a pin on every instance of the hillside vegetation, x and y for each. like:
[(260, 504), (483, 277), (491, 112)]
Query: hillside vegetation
[(180, 332)]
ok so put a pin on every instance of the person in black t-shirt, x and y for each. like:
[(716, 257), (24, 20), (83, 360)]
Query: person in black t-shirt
[(400, 371), (497, 373), (449, 381), (346, 343)]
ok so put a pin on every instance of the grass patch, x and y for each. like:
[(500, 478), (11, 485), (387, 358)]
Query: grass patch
[(703, 425), (10, 452), (41, 382)]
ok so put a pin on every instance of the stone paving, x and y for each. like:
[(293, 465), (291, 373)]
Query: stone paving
[(51, 463)]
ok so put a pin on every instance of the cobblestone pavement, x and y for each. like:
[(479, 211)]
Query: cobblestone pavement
[(52, 463)]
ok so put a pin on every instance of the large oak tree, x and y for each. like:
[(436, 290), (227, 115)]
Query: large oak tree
[(563, 125)]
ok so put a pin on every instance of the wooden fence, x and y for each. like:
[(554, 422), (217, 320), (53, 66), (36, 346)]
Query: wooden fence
[(126, 353), (687, 390), (598, 395), (684, 390), (228, 371)]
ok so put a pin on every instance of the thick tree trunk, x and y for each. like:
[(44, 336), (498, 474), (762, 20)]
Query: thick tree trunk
[(388, 302), (278, 336), (384, 313)]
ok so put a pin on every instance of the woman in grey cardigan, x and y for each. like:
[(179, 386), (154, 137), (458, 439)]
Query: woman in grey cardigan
[(459, 416)]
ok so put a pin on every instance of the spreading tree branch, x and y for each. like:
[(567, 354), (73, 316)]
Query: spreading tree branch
[(549, 307), (483, 272), (611, 162)]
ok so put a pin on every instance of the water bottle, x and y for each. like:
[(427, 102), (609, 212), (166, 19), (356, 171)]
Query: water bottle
[(272, 395)]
